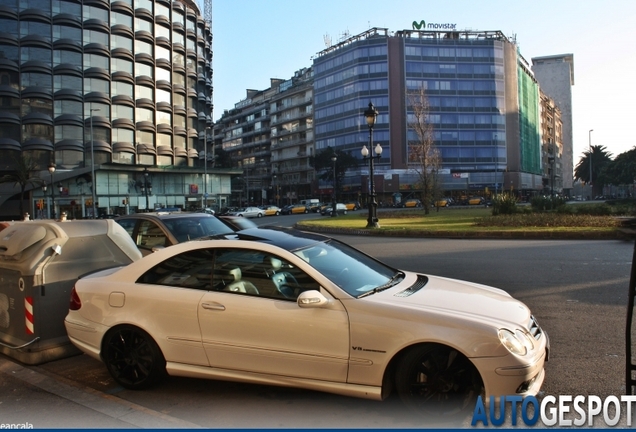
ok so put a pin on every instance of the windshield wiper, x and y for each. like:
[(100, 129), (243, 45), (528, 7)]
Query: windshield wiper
[(393, 281)]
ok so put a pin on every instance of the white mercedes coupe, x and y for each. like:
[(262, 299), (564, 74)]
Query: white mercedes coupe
[(283, 307)]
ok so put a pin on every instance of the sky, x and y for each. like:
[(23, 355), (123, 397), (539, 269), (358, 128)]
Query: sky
[(256, 40)]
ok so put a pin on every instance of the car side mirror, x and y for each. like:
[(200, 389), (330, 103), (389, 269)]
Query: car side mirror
[(312, 299)]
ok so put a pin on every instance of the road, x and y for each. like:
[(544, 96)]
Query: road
[(576, 289)]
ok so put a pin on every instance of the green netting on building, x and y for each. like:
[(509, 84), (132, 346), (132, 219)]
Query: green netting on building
[(529, 119)]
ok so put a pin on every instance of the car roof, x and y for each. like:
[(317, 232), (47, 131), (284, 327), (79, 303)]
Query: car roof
[(166, 215), (285, 238)]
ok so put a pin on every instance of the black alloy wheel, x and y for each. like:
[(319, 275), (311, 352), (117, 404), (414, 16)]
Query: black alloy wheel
[(437, 381), (133, 358)]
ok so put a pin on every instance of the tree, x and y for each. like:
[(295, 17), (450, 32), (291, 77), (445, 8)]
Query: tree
[(323, 164), (23, 175), (599, 157), (423, 153), (620, 171)]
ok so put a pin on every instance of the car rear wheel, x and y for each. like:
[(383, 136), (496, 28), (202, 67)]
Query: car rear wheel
[(133, 358), (260, 214), (437, 380)]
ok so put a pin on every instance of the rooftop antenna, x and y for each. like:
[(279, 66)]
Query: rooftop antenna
[(327, 40), (345, 35)]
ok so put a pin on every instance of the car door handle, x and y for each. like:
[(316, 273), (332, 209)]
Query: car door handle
[(213, 306)]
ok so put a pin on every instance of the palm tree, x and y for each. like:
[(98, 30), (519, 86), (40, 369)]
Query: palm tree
[(23, 175), (599, 157)]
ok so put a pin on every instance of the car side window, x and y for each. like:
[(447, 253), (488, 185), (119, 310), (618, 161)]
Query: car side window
[(128, 224), (150, 235), (192, 269), (252, 272)]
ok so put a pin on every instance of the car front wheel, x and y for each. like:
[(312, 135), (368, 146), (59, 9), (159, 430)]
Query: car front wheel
[(260, 215), (436, 380), (133, 358)]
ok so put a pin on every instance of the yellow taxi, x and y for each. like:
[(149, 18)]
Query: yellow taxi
[(475, 201), (443, 202), (410, 203), (295, 209), (352, 206), (271, 210)]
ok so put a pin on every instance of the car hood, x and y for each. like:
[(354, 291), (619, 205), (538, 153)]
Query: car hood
[(455, 298)]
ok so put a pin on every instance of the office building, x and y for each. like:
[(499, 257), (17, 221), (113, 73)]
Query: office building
[(483, 99)]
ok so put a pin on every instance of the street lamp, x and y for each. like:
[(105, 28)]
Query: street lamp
[(590, 144), (48, 207), (146, 188), (551, 161), (277, 195), (51, 171), (334, 211), (92, 110), (370, 115)]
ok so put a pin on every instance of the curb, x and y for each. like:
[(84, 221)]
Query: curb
[(492, 235)]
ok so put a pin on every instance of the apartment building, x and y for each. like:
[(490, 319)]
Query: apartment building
[(269, 137), (551, 145)]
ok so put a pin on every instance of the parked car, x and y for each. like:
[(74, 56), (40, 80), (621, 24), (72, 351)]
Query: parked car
[(295, 209), (340, 209), (227, 210), (353, 206), (315, 207), (475, 201), (271, 210), (249, 212), (411, 203), (154, 230), (337, 320), (442, 202)]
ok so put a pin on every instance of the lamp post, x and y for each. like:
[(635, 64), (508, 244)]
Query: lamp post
[(551, 161), (370, 115), (334, 210), (51, 171), (204, 204), (146, 188), (276, 189), (48, 207), (92, 110), (590, 144)]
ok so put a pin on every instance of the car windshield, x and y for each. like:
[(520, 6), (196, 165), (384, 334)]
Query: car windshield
[(350, 269)]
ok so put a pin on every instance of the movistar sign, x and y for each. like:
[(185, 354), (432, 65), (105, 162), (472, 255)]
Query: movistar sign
[(423, 25)]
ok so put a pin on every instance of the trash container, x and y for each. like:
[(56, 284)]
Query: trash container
[(39, 264)]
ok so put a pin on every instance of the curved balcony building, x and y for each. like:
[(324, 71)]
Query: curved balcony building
[(128, 81)]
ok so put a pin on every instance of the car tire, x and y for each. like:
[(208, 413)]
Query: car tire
[(259, 215), (306, 211), (133, 358), (277, 213), (436, 380)]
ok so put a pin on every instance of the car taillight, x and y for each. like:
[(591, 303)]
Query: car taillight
[(76, 303)]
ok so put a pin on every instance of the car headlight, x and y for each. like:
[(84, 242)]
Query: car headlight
[(516, 342)]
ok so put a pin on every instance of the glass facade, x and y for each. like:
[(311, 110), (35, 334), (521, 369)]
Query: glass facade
[(79, 77), (467, 80), (345, 81)]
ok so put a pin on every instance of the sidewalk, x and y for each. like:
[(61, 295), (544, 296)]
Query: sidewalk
[(33, 398)]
